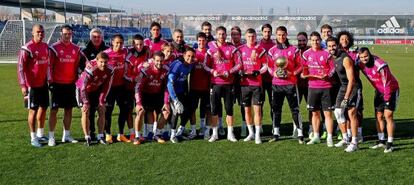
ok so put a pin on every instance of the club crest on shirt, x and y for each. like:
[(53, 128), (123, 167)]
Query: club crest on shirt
[(73, 52), (322, 58), (36, 53), (61, 52)]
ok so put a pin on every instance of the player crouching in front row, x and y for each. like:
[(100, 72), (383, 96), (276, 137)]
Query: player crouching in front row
[(94, 86)]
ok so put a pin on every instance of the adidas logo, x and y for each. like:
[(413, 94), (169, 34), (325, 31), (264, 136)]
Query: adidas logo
[(391, 26)]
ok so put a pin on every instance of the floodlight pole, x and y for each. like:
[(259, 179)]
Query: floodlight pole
[(64, 6), (82, 13), (44, 7)]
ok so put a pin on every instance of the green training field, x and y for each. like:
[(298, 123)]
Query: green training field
[(200, 162)]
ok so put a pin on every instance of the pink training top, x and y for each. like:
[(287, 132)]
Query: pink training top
[(267, 45), (253, 59), (117, 62), (33, 64), (151, 81), (380, 76), (133, 62), (64, 62), (200, 78), (92, 79), (318, 63), (223, 59), (293, 67), (154, 46)]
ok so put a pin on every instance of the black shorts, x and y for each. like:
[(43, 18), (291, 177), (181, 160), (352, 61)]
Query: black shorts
[(279, 92), (319, 99), (353, 99), (380, 104), (251, 95), (63, 95), (37, 97), (153, 102), (221, 91), (197, 96)]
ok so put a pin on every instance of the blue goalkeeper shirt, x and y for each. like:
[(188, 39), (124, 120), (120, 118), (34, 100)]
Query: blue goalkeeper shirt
[(177, 78)]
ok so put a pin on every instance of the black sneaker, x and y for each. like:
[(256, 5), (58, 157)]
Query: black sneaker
[(389, 148), (88, 142), (102, 141), (93, 137)]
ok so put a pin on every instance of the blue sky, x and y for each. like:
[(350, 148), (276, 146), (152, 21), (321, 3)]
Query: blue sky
[(185, 7)]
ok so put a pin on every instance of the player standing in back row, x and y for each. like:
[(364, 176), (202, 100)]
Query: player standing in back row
[(32, 69), (64, 63)]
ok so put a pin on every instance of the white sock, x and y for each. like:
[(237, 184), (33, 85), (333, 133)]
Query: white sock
[(155, 125), (131, 131), (150, 128), (51, 134), (257, 127), (276, 131), (251, 132), (32, 135), (202, 122), (193, 128), (329, 137), (215, 131), (230, 131), (390, 139), (173, 131), (40, 132), (87, 137), (381, 136), (316, 135), (354, 140), (300, 132), (66, 133)]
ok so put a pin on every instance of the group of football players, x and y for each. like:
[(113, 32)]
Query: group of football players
[(168, 81)]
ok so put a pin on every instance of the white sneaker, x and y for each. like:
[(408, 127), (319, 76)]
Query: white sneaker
[(248, 138), (378, 145), (231, 138), (314, 140), (52, 141), (213, 138), (180, 131), (351, 148), (174, 140), (69, 139), (389, 148), (310, 135), (257, 140), (341, 143), (329, 143)]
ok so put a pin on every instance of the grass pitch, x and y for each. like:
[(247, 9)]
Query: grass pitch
[(200, 162)]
